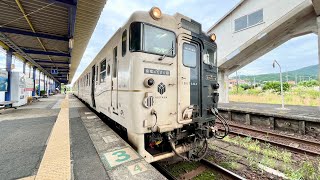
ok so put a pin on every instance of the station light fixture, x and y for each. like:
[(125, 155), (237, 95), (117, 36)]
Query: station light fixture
[(213, 37), (155, 13), (71, 43)]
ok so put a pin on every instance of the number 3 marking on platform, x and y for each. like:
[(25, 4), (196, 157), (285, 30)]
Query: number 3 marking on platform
[(122, 156)]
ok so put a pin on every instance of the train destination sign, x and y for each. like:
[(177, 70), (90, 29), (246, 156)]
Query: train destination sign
[(156, 71)]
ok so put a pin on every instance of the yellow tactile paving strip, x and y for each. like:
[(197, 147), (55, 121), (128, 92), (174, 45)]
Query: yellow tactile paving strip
[(55, 163)]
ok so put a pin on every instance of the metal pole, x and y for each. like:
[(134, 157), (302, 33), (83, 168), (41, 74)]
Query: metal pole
[(39, 83), (34, 81), (281, 84), (237, 82), (8, 68)]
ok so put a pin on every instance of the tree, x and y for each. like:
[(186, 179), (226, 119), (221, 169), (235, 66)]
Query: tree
[(310, 83), (276, 86)]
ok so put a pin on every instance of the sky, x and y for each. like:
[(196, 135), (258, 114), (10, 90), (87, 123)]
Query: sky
[(207, 12)]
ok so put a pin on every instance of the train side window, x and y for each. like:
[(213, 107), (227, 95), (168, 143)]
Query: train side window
[(103, 71), (124, 43), (189, 55), (135, 36), (96, 73), (115, 68), (108, 70), (89, 77)]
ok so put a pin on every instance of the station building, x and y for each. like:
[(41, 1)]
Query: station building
[(253, 28)]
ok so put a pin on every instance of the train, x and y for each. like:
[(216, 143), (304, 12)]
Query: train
[(156, 79)]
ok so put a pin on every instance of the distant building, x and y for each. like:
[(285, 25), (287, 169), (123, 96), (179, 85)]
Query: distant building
[(291, 82), (233, 82)]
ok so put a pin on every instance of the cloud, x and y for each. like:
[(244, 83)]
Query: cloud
[(294, 54), (117, 12)]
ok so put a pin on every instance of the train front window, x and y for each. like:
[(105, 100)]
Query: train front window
[(150, 39), (210, 56)]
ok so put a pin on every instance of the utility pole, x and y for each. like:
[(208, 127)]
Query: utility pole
[(237, 81), (281, 84)]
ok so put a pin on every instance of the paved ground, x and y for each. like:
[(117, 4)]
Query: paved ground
[(86, 162), (23, 136), (35, 143), (24, 133), (301, 112)]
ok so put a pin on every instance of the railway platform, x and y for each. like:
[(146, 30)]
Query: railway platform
[(60, 138), (300, 119)]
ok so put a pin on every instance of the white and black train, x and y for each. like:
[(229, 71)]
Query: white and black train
[(156, 78)]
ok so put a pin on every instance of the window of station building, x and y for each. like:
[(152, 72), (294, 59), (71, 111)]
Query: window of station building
[(124, 43), (248, 20), (189, 55), (103, 71)]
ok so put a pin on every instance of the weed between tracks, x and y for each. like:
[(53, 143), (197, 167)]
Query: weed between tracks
[(305, 169), (183, 167)]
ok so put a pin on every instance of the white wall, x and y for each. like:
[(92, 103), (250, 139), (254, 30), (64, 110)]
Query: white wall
[(2, 95), (228, 40)]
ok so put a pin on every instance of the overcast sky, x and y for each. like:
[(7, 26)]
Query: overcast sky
[(294, 54)]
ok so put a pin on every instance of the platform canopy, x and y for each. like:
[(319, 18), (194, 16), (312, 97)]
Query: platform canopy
[(50, 34)]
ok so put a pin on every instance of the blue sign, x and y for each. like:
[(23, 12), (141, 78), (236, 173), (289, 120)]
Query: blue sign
[(3, 80), (54, 71)]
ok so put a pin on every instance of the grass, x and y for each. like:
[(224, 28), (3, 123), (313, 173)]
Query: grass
[(230, 165), (206, 175), (182, 167), (308, 169), (295, 96)]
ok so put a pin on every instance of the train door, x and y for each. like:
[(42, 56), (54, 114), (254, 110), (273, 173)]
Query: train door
[(93, 83), (189, 78), (114, 86)]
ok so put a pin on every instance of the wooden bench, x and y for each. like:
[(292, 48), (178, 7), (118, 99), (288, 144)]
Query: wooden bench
[(7, 105), (36, 98)]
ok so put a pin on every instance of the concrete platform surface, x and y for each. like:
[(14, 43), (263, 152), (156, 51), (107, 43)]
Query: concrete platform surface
[(23, 137), (307, 113), (60, 138)]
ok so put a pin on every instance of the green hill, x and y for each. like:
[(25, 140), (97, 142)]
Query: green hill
[(299, 74)]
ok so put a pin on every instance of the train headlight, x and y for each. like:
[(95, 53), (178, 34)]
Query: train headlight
[(148, 82), (155, 13), (213, 37)]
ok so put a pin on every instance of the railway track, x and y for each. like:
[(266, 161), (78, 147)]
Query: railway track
[(304, 146), (207, 165)]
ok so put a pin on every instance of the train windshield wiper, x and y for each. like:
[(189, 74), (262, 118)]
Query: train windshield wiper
[(166, 54)]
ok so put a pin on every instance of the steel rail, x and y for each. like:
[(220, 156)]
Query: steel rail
[(163, 171), (305, 141), (293, 149), (220, 169)]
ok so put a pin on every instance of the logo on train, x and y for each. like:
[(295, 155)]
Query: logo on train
[(161, 88)]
